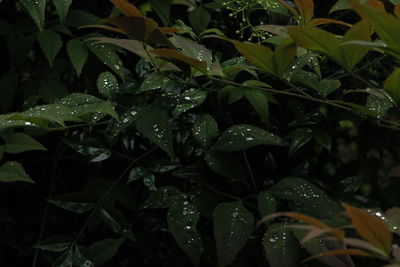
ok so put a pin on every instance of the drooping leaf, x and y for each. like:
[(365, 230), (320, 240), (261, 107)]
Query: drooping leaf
[(233, 224), (199, 19), (75, 202), (205, 130), (50, 43), (370, 228), (107, 84), (21, 142), (155, 126), (281, 247), (182, 219), (78, 54), (62, 7), (12, 171), (36, 10), (241, 136)]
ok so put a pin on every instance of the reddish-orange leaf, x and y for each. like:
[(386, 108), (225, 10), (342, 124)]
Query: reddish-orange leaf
[(127, 8), (359, 243), (284, 55), (174, 55), (320, 21), (104, 27), (370, 228), (168, 30), (306, 8), (354, 252), (396, 10), (377, 4)]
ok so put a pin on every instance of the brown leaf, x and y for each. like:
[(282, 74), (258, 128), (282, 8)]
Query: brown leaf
[(306, 8), (127, 8), (354, 252), (174, 55)]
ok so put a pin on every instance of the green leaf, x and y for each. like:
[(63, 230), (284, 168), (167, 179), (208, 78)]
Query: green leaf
[(392, 85), (158, 80), (101, 252), (393, 219), (54, 244), (182, 219), (77, 202), (267, 204), (50, 43), (77, 18), (233, 224), (62, 7), (95, 153), (194, 50), (352, 54), (21, 142), (299, 138), (205, 130), (306, 197), (162, 9), (281, 246), (116, 221), (163, 198), (107, 84), (226, 165), (284, 55), (78, 54), (199, 19), (12, 171), (259, 102), (9, 86), (138, 173), (190, 99), (155, 126), (242, 136), (380, 104), (106, 54), (36, 10)]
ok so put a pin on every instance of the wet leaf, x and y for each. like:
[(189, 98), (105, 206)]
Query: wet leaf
[(155, 126), (240, 137), (306, 197), (267, 203), (36, 9), (156, 81), (138, 173), (205, 130), (190, 99), (50, 43), (299, 138), (233, 224), (306, 9), (107, 85), (194, 50), (21, 142), (393, 219), (12, 171), (281, 247), (163, 198), (62, 7), (176, 56), (182, 219), (78, 54)]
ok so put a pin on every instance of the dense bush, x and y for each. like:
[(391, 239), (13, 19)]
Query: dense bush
[(205, 133)]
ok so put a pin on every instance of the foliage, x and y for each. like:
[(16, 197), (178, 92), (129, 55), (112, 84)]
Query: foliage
[(124, 142)]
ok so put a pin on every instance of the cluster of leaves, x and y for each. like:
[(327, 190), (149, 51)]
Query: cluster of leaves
[(127, 143)]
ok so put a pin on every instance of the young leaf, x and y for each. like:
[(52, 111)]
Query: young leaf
[(36, 10), (233, 224), (107, 84), (21, 142), (51, 43), (176, 56), (62, 7), (78, 54), (127, 8), (306, 9), (392, 85), (242, 136), (205, 130), (182, 219), (155, 126), (199, 19), (12, 171), (281, 247), (370, 228)]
